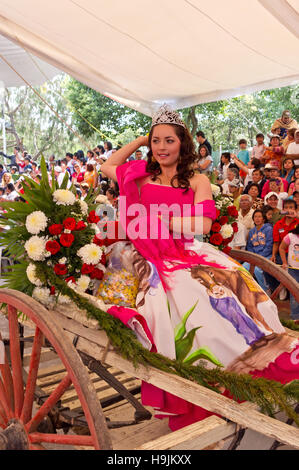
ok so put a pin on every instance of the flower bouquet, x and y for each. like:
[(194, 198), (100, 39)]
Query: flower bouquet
[(225, 226), (53, 232)]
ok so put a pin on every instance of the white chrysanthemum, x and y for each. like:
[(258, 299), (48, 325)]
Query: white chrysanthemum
[(84, 207), (36, 222), (226, 231), (83, 283), (62, 261), (102, 199), (215, 190), (42, 295), (36, 248), (31, 274), (90, 254), (64, 197)]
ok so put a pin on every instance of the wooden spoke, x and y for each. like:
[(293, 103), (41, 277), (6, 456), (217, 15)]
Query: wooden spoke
[(49, 403), (37, 437), (32, 376), (7, 380), (16, 362), (4, 403)]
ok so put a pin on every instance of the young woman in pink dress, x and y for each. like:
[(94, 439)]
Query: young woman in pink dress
[(194, 302)]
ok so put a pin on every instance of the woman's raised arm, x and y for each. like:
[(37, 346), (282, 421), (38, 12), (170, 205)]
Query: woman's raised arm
[(119, 158)]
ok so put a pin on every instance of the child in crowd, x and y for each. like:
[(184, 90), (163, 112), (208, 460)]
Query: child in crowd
[(243, 154), (289, 253), (274, 153), (268, 214), (260, 147), (224, 164), (294, 187)]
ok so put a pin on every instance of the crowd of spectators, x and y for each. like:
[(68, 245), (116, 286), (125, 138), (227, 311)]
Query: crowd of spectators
[(263, 183), (264, 186)]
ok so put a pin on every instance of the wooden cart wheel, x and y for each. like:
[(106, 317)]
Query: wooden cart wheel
[(266, 265), (16, 398)]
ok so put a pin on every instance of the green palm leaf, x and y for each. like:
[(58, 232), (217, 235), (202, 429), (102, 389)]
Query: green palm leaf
[(180, 329), (183, 346), (202, 353)]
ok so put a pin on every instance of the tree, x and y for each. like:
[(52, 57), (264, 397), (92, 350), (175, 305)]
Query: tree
[(33, 125), (108, 116)]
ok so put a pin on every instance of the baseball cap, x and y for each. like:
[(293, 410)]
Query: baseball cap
[(271, 194)]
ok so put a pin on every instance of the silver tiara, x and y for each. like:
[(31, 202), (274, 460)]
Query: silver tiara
[(166, 115)]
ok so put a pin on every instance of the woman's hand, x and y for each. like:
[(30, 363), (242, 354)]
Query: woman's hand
[(119, 157), (285, 266)]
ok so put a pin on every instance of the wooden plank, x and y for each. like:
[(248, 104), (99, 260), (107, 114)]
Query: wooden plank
[(183, 388), (293, 333), (45, 357), (194, 437), (203, 397)]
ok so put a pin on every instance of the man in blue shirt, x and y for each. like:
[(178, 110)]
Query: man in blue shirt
[(13, 157)]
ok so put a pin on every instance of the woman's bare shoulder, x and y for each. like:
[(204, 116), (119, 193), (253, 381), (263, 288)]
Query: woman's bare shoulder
[(199, 180)]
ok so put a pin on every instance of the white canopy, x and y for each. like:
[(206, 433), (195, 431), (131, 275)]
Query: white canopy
[(145, 52), (19, 61)]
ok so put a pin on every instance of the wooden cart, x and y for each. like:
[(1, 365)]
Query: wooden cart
[(79, 342)]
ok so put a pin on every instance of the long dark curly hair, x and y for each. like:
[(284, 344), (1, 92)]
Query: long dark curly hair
[(187, 157)]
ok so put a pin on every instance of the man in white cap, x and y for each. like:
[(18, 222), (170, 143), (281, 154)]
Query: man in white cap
[(274, 174), (293, 149)]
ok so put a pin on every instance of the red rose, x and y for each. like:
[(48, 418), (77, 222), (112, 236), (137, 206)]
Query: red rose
[(98, 241), (80, 225), (216, 227), (87, 268), (97, 274), (226, 241), (103, 259), (52, 290), (70, 279), (232, 211), (60, 269), (217, 213), (216, 239), (235, 227), (55, 229), (70, 223), (223, 220), (93, 218), (66, 239), (227, 250), (53, 246)]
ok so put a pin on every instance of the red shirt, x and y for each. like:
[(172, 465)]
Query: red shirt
[(79, 177), (281, 229)]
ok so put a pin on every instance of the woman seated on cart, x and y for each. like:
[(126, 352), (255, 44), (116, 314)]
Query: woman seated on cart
[(193, 301)]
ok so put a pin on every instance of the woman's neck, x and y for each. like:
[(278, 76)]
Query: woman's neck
[(167, 174), (258, 227)]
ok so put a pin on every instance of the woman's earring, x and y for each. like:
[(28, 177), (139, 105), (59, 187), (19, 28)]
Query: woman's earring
[(154, 160)]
